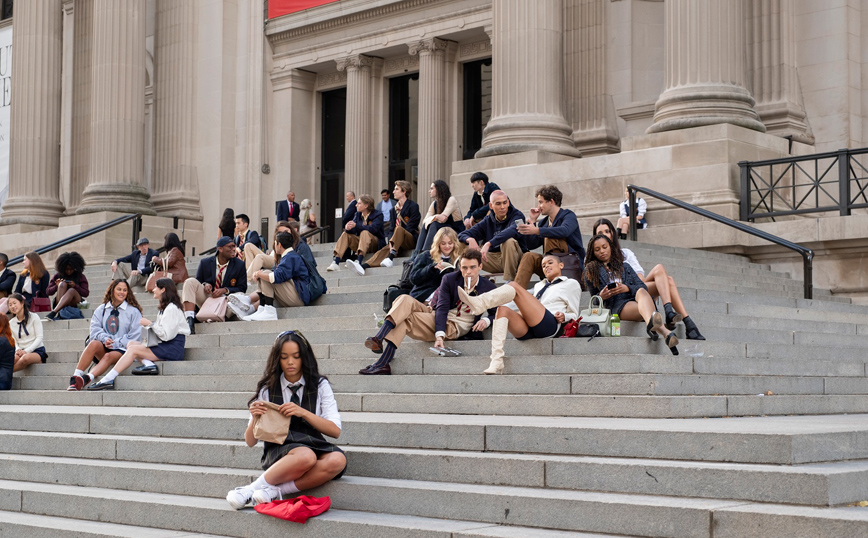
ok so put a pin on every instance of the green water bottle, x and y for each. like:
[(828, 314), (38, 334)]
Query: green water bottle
[(615, 324)]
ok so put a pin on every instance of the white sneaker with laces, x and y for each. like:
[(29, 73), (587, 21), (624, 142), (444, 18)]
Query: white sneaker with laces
[(356, 266), (386, 263), (264, 313), (333, 267), (266, 495), (239, 497), (240, 305)]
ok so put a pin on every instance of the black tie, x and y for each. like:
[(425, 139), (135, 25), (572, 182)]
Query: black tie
[(295, 399), (544, 288)]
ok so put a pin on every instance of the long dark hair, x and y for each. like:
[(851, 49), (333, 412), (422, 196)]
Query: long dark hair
[(67, 260), (170, 294), (612, 231), (131, 298), (273, 371), (20, 298), (227, 222), (443, 195), (173, 241), (615, 267)]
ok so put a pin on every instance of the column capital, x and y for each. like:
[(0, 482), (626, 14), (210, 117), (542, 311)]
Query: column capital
[(355, 61), (431, 45)]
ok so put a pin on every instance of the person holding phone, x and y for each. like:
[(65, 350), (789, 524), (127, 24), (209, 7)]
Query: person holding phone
[(69, 283), (497, 238)]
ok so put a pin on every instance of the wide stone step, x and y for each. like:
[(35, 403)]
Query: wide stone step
[(18, 524)]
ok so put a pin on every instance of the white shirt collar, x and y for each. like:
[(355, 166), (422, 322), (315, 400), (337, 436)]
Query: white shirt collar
[(284, 383), (122, 306), (562, 277), (285, 252)]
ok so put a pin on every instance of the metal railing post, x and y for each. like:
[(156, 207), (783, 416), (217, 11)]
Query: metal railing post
[(807, 263), (137, 227), (631, 207), (844, 181), (744, 202)]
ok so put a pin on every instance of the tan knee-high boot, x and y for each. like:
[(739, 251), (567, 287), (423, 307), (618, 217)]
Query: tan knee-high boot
[(481, 303), (498, 339)]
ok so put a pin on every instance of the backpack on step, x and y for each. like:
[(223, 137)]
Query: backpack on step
[(316, 283)]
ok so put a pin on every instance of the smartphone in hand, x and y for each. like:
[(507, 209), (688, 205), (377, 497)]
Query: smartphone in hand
[(612, 285)]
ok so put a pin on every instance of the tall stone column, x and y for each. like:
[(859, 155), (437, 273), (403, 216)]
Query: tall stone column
[(528, 93), (176, 184), (357, 147), (590, 108), (34, 144), (433, 150), (81, 100), (773, 79), (117, 146), (704, 67)]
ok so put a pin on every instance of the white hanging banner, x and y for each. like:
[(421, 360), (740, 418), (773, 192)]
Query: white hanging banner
[(5, 104)]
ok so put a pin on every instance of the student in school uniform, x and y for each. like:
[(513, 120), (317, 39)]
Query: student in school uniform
[(405, 227), (217, 276), (288, 284), (7, 353), (244, 235), (68, 284), (7, 277), (27, 331), (33, 280), (305, 459), (361, 235)]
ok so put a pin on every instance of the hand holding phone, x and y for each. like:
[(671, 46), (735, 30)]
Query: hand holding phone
[(612, 285)]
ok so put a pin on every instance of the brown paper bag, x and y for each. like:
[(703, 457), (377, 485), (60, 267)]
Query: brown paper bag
[(272, 427)]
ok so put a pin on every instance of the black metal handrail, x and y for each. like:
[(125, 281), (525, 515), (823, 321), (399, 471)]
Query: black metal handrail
[(807, 254), (137, 228), (804, 184)]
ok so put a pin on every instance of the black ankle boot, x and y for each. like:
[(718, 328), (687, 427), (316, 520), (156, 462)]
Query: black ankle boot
[(672, 317), (622, 236), (692, 330)]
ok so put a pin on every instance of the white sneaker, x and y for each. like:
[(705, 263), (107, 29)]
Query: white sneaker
[(333, 267), (356, 266), (266, 495), (386, 263), (264, 313), (239, 497), (240, 305)]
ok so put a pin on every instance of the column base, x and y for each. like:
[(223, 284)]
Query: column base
[(178, 204), (120, 198), (31, 210), (514, 134), (786, 119), (697, 106), (602, 141)]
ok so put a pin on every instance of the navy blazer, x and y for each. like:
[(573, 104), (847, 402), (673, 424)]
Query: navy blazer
[(373, 224), (565, 226), (252, 236), (7, 280), (497, 232), (234, 277), (292, 267), (283, 210), (479, 204), (349, 214), (133, 260), (410, 218), (447, 299), (40, 291)]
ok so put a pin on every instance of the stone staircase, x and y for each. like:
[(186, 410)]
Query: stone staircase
[(757, 431)]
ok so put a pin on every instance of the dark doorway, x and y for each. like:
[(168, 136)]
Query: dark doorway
[(477, 104), (404, 130), (334, 122)]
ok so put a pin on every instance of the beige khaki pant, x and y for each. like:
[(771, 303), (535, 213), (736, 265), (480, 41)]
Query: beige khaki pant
[(255, 259), (284, 294), (194, 292), (506, 261), (401, 240), (364, 243), (531, 262), (123, 272), (414, 319)]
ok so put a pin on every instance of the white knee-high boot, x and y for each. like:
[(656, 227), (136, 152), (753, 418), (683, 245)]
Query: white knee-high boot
[(498, 339), (481, 303)]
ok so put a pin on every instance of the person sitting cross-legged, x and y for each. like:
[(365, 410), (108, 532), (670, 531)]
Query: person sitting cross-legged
[(139, 266), (216, 276), (244, 235), (450, 318), (542, 313), (288, 284), (114, 324), (170, 331), (405, 227), (497, 238), (255, 259), (363, 234)]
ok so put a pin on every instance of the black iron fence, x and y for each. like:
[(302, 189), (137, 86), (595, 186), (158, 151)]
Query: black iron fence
[(820, 183)]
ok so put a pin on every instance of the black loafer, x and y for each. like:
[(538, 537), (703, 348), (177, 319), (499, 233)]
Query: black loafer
[(191, 322), (146, 370), (382, 370), (374, 344), (103, 385)]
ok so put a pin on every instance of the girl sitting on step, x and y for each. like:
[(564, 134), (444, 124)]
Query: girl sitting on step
[(305, 460), (114, 324), (166, 338), (7, 353), (658, 282), (27, 332), (622, 291), (430, 266)]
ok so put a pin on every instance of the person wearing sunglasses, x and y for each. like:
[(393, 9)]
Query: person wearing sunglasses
[(305, 459), (114, 324)]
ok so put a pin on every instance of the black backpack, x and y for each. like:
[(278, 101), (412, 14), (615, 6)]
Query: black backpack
[(404, 282)]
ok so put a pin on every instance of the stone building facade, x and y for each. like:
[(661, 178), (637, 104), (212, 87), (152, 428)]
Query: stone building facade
[(181, 108)]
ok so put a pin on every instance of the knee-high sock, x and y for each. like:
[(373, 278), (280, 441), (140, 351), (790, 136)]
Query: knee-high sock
[(384, 330), (387, 356)]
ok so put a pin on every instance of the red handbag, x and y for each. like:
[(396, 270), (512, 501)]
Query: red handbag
[(571, 328), (40, 304), (298, 510)]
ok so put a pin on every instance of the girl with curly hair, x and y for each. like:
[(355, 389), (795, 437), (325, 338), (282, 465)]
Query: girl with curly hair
[(69, 282), (114, 324)]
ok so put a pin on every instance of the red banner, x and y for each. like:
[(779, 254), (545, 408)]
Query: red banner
[(278, 8)]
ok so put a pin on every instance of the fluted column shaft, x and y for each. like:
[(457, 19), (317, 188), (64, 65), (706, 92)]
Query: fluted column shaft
[(81, 100), (432, 115), (117, 146), (704, 67), (528, 93), (34, 145), (357, 146), (176, 184)]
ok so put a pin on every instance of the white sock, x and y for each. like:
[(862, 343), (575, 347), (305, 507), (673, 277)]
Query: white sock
[(146, 362), (260, 482), (288, 488), (78, 372), (189, 313), (109, 376)]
